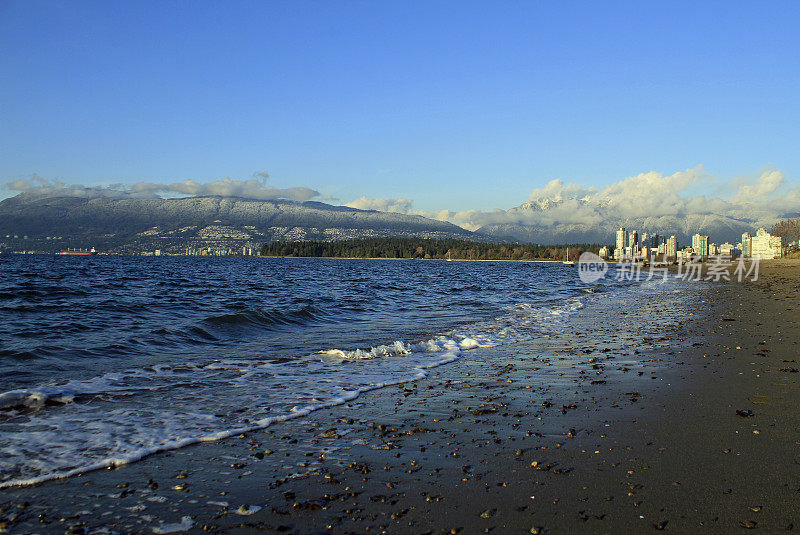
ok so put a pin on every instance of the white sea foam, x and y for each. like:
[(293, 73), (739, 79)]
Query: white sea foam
[(118, 418), (247, 510), (185, 524)]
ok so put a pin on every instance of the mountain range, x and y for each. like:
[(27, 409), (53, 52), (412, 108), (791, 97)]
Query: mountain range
[(38, 222), (131, 225)]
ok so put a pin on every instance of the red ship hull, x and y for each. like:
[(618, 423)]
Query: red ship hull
[(78, 253)]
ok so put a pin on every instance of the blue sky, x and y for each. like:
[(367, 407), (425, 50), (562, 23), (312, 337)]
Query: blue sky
[(459, 105)]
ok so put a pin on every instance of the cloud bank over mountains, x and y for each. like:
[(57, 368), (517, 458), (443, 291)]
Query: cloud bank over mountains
[(681, 203), (645, 200), (404, 206), (254, 188)]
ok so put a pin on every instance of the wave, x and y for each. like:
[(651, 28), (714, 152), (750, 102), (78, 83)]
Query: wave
[(441, 343), (47, 292), (266, 318), (121, 417), (42, 397), (18, 355), (215, 329)]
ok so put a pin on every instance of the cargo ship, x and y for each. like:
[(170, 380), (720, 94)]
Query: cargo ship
[(78, 252)]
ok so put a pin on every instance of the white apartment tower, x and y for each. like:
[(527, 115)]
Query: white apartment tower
[(622, 242), (765, 245), (633, 239), (622, 238), (672, 247), (700, 245)]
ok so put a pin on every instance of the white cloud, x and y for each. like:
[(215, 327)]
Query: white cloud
[(401, 206), (556, 190), (766, 185), (762, 199), (406, 206), (255, 188)]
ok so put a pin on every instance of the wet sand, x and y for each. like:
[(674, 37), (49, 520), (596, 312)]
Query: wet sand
[(625, 423)]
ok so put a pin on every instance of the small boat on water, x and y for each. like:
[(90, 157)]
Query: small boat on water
[(78, 252), (568, 262)]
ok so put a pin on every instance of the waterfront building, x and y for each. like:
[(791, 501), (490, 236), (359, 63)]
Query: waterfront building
[(726, 249), (746, 244), (655, 240), (622, 240), (603, 253), (700, 245), (633, 239), (765, 245), (671, 249)]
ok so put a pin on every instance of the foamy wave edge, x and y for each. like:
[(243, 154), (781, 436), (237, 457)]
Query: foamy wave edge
[(449, 347), (421, 372)]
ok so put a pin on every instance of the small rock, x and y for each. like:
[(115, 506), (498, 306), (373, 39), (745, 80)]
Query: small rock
[(247, 510)]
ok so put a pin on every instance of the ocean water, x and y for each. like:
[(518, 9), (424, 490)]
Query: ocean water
[(104, 360)]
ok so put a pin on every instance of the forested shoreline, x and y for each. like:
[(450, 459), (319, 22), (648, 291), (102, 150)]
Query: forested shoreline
[(427, 249)]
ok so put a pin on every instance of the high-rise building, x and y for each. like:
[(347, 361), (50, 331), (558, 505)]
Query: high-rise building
[(765, 245), (746, 244), (700, 245), (633, 239), (655, 240), (622, 238), (672, 247)]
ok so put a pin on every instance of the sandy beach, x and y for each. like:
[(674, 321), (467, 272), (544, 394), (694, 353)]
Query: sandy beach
[(674, 414)]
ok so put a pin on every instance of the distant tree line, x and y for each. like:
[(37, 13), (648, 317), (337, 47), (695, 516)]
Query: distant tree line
[(422, 248)]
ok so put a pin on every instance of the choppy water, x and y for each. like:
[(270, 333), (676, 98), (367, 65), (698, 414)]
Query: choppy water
[(106, 359)]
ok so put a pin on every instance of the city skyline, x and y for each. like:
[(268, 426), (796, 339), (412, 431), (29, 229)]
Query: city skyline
[(630, 246)]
